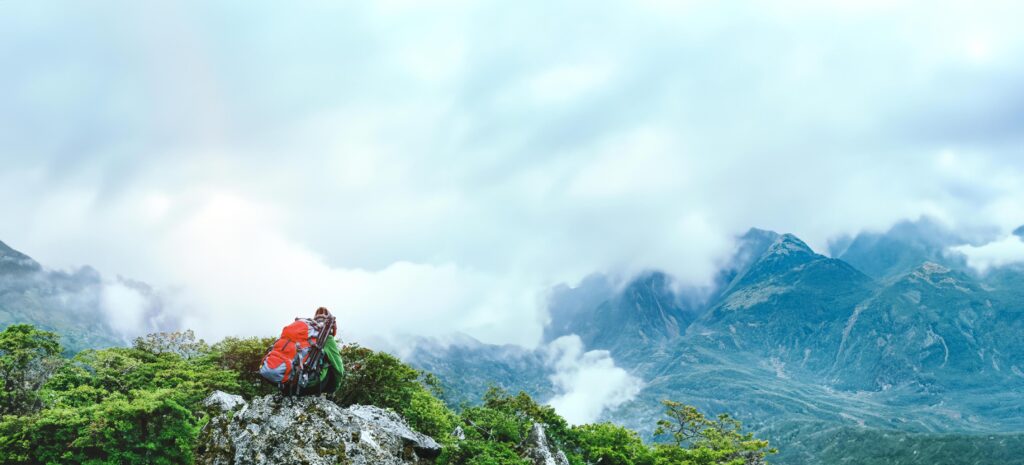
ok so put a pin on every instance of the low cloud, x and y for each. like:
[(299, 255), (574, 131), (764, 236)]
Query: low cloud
[(430, 169), (1002, 252), (588, 381), (124, 307), (133, 308), (239, 275)]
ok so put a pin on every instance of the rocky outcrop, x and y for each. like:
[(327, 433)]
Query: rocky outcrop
[(538, 450), (308, 430)]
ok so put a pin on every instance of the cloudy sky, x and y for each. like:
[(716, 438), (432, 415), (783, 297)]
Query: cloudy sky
[(426, 167)]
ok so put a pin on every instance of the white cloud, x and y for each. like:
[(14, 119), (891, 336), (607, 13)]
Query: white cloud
[(125, 307), (241, 276), (589, 382), (567, 83), (423, 169), (1002, 252)]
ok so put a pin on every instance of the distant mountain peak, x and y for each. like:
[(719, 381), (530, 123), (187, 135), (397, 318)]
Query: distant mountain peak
[(903, 248), (939, 276), (1019, 232), (788, 244), (784, 254), (13, 261), (931, 268)]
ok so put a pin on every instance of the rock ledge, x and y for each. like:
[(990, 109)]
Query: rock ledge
[(308, 430)]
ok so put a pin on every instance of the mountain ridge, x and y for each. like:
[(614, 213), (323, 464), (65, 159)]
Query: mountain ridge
[(792, 340), (787, 339)]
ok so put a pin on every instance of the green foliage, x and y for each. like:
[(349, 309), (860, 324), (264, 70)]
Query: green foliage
[(145, 427), (120, 405), (481, 452), (119, 370), (27, 358), (243, 356), (608, 444), (496, 428), (699, 440), (527, 411), (378, 378), (141, 405), (429, 415)]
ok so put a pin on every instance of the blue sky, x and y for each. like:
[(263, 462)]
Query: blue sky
[(426, 167)]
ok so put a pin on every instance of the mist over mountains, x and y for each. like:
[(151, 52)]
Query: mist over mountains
[(895, 340), (87, 309)]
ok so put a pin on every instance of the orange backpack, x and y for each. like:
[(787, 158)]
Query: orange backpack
[(290, 353)]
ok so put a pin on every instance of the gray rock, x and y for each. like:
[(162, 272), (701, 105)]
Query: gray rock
[(537, 448), (223, 401), (310, 430)]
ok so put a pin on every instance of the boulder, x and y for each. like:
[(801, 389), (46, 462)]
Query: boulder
[(309, 431), (223, 402)]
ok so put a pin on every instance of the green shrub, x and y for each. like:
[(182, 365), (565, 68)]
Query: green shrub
[(243, 356), (28, 356), (607, 444), (119, 405), (429, 415), (147, 427), (698, 440), (376, 378)]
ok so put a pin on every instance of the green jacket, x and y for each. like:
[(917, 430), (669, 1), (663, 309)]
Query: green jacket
[(334, 364)]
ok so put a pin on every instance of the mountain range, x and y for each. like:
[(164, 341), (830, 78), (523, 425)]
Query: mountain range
[(888, 350), (892, 340)]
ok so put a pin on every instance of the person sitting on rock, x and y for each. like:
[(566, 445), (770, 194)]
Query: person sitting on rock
[(333, 369), (305, 359)]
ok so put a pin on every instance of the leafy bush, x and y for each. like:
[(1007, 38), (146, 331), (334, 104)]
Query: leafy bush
[(27, 358), (147, 427), (119, 405), (494, 430), (608, 444), (429, 415), (120, 370), (699, 440), (243, 356), (376, 378)]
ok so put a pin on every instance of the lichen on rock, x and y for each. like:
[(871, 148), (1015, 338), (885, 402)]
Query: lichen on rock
[(309, 430), (538, 450)]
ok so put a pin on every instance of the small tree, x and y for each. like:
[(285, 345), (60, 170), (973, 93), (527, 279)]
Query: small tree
[(608, 444), (376, 378), (699, 440), (28, 356)]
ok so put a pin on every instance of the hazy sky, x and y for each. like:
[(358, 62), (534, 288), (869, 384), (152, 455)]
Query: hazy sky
[(431, 167)]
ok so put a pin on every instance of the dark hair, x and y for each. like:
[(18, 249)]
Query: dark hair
[(321, 311)]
